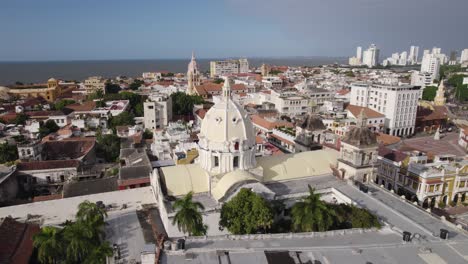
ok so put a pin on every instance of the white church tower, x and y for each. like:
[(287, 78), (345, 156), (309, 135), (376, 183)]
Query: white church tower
[(227, 137)]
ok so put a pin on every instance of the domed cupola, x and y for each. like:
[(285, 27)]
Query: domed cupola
[(227, 137)]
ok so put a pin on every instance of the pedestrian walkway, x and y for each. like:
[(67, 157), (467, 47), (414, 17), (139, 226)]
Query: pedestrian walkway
[(400, 214)]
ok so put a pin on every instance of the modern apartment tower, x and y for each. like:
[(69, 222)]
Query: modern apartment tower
[(370, 56)]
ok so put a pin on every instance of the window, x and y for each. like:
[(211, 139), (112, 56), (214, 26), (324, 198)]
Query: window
[(236, 146), (236, 162), (216, 161)]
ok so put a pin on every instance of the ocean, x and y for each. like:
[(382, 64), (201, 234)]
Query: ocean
[(32, 72)]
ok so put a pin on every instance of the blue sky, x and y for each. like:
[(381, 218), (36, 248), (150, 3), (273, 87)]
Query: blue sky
[(139, 29)]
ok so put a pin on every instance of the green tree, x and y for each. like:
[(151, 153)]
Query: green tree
[(136, 84), (112, 88), (62, 103), (246, 213), (99, 254), (182, 103), (275, 72), (311, 214), (429, 93), (79, 241), (50, 245), (188, 216), (124, 119), (20, 119), (147, 134), (218, 80), (8, 152), (49, 127), (350, 74), (108, 147), (350, 216)]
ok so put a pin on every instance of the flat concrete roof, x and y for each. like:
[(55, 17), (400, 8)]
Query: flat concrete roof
[(58, 211)]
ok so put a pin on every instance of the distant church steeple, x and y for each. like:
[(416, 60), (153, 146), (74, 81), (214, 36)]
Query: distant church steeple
[(439, 99), (193, 75)]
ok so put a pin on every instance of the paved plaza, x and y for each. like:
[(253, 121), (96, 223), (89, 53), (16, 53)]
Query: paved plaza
[(448, 144)]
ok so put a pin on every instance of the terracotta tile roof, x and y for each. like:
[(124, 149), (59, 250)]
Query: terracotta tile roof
[(84, 107), (43, 114), (201, 113), (356, 110), (16, 244), (73, 148), (343, 91), (259, 140), (47, 165), (211, 88), (267, 124), (386, 139), (393, 155), (129, 182), (426, 114)]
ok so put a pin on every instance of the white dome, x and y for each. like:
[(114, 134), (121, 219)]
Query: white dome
[(227, 121), (227, 137)]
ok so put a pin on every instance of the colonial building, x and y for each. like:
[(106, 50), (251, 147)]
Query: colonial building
[(49, 91), (227, 162)]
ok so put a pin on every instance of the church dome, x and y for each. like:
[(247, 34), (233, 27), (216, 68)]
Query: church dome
[(227, 121), (227, 137)]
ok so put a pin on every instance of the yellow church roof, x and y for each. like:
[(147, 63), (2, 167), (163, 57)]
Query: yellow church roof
[(229, 180), (299, 165), (182, 179)]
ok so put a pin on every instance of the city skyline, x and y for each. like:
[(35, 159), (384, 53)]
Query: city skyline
[(47, 31)]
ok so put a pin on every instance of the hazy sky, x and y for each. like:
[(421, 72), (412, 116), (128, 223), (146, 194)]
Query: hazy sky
[(134, 29)]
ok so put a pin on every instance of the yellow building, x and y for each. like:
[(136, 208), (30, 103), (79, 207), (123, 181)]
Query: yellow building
[(49, 91)]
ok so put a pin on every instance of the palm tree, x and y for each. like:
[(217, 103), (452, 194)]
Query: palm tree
[(92, 217), (49, 243), (79, 237), (311, 214), (188, 217), (99, 254)]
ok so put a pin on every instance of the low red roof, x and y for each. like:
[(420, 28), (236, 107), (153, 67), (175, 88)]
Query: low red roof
[(16, 243), (356, 110), (129, 182), (201, 113), (47, 165)]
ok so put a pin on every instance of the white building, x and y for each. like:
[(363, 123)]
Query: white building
[(370, 56), (398, 103), (464, 56), (422, 79), (359, 53), (431, 64), (157, 111), (227, 67), (289, 103), (193, 76), (413, 55)]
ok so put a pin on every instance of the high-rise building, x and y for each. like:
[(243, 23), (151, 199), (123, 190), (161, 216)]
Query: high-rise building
[(413, 55), (397, 102), (359, 53), (226, 67), (193, 75), (403, 59), (426, 51), (370, 56), (464, 56), (431, 64)]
